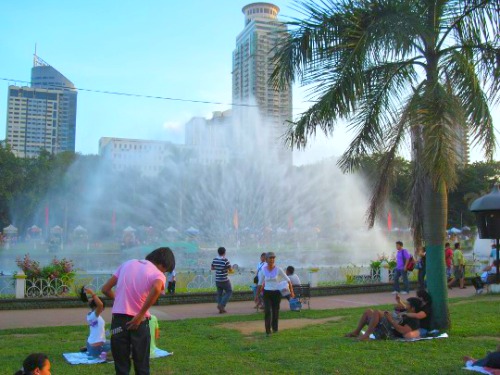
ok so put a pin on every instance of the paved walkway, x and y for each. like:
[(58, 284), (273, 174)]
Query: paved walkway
[(76, 316)]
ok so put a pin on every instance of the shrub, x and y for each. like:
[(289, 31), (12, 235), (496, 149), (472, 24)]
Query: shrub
[(57, 269)]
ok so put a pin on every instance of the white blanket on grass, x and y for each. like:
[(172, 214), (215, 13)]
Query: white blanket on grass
[(83, 359), (482, 370), (441, 336)]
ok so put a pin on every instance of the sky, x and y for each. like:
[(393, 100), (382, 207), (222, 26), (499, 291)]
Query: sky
[(177, 49)]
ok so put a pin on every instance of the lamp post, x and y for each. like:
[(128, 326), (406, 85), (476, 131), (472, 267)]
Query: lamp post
[(487, 211)]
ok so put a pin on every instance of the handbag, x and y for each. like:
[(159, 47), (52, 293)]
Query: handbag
[(256, 278), (295, 304)]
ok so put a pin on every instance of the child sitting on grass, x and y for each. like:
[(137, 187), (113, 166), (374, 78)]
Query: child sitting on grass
[(96, 342)]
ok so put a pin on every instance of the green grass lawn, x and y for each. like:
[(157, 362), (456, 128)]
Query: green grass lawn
[(200, 346)]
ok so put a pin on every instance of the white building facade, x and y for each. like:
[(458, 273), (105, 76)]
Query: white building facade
[(147, 157)]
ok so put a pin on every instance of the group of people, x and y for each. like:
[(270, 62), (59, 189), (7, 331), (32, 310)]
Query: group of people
[(272, 284), (136, 285), (454, 260), (410, 319)]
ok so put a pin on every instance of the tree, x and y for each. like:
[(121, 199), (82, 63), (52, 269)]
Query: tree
[(394, 69)]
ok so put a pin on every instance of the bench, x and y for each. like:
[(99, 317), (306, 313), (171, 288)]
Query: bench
[(492, 279), (480, 285), (303, 294)]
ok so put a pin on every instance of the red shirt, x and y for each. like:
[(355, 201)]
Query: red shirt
[(448, 256)]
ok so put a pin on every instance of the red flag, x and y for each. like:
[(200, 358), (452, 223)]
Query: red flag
[(47, 216), (389, 221), (236, 222)]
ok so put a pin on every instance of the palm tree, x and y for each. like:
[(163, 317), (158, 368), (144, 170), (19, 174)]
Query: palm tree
[(397, 69)]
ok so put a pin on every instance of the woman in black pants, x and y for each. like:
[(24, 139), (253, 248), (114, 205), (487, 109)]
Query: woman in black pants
[(269, 277)]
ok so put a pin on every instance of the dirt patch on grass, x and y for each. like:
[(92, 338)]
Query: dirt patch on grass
[(249, 327)]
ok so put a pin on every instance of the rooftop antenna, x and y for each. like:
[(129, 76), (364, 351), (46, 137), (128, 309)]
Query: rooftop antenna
[(34, 57)]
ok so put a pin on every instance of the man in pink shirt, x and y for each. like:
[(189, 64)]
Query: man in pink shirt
[(138, 284)]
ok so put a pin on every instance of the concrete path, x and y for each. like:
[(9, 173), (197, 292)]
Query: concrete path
[(76, 316)]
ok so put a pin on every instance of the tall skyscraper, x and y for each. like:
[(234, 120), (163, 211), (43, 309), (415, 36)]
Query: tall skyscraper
[(43, 116), (252, 68)]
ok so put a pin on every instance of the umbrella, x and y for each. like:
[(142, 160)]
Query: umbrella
[(10, 229), (35, 229), (192, 231), (454, 230)]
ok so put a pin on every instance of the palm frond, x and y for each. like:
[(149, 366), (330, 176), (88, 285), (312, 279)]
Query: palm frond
[(460, 70), (443, 123)]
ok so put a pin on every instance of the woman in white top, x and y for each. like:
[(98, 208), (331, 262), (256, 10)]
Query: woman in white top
[(269, 279)]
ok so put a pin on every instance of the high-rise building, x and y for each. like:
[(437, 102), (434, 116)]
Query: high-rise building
[(43, 116), (252, 69)]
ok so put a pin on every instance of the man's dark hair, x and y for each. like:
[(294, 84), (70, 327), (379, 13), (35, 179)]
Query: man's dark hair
[(290, 269), (162, 256), (447, 244), (221, 251), (263, 254), (399, 243), (424, 295), (457, 245), (415, 302), (32, 362)]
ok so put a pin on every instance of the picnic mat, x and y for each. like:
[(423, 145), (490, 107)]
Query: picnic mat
[(482, 370), (80, 358), (441, 336)]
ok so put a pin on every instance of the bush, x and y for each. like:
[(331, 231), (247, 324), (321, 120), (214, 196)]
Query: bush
[(57, 269)]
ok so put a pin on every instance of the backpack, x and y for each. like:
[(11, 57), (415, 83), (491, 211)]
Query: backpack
[(411, 263)]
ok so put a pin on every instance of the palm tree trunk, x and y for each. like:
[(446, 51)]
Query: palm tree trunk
[(435, 211)]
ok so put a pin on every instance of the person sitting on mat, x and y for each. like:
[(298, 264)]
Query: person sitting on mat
[(96, 342), (384, 326), (492, 360)]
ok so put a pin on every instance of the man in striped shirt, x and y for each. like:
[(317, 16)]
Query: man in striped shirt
[(221, 266)]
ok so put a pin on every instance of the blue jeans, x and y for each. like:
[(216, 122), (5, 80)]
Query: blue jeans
[(224, 292), (397, 275), (95, 351)]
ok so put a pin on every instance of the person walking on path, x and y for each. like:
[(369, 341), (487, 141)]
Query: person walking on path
[(262, 263), (221, 266), (138, 284), (448, 257), (458, 268), (402, 258), (269, 279), (420, 254)]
